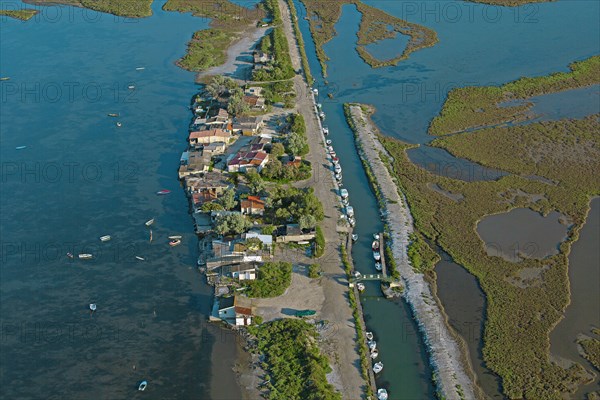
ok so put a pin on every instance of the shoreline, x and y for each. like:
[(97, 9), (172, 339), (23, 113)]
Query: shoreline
[(453, 378)]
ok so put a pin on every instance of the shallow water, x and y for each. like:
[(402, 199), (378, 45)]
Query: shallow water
[(388, 48), (81, 177)]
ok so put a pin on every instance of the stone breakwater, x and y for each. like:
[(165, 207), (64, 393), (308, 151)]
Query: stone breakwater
[(452, 375)]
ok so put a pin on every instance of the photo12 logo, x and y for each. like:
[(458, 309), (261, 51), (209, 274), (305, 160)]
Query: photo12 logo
[(69, 172), (70, 92)]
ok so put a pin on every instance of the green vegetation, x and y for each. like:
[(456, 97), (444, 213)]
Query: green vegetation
[(300, 40), (296, 370), (473, 107), (314, 271), (227, 199), (275, 44), (296, 141), (591, 349), (290, 204), (208, 47), (521, 310), (276, 171), (279, 92), (375, 25), (422, 257), (319, 242), (509, 3), (123, 8), (273, 279), (272, 10), (23, 14), (231, 224)]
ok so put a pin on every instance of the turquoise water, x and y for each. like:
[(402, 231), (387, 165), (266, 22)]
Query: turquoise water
[(387, 48), (480, 45), (81, 177)]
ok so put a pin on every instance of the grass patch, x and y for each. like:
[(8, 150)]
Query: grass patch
[(295, 367), (314, 271), (319, 242), (273, 279), (422, 257), (591, 349), (23, 14), (275, 44), (122, 8), (474, 107), (300, 40), (206, 49)]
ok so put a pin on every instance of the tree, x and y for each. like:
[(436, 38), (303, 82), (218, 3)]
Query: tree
[(217, 86), (227, 200), (307, 222), (212, 206), (277, 150), (236, 104), (255, 182), (296, 143), (231, 223)]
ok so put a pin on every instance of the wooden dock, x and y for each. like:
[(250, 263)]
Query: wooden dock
[(382, 252)]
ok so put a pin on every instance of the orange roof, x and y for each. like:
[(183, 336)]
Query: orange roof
[(253, 204), (243, 310), (209, 133)]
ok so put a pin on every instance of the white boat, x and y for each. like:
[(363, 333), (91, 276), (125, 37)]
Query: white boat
[(360, 286), (369, 335), (140, 69), (337, 169), (143, 386), (374, 354), (376, 255), (344, 193), (139, 258), (354, 237), (322, 115), (328, 142), (350, 211), (351, 221), (376, 236), (338, 177), (105, 238), (382, 394), (315, 91), (93, 307), (375, 245), (319, 106), (85, 256), (150, 222), (378, 367), (372, 345), (130, 87), (378, 266), (119, 124), (174, 237), (20, 147), (325, 130), (330, 149), (357, 274)]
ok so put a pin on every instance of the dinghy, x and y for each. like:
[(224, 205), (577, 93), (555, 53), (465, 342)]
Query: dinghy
[(20, 147), (378, 367), (105, 238), (382, 394), (174, 243), (139, 258), (150, 222), (163, 192), (85, 256), (93, 307), (143, 386)]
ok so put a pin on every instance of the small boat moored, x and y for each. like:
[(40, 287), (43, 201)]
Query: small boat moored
[(376, 236), (354, 237), (372, 345), (174, 243), (143, 385), (350, 211), (378, 266), (322, 115), (105, 238), (375, 245), (357, 274), (328, 141), (175, 237), (315, 91), (369, 335), (337, 169), (376, 255), (374, 354), (85, 256), (150, 222), (382, 394), (360, 286), (338, 177), (344, 193), (163, 192), (325, 130), (351, 221), (378, 367)]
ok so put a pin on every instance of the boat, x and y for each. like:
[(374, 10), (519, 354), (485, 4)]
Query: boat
[(325, 130), (360, 286), (105, 238), (119, 124), (334, 159), (315, 91), (375, 245), (174, 237), (93, 307), (382, 394), (113, 115), (85, 256), (174, 243), (328, 141), (374, 354), (70, 255), (163, 192), (354, 237), (5, 78), (20, 147), (150, 235), (378, 367), (130, 87), (344, 193), (150, 222), (143, 385), (372, 345), (378, 266), (357, 274), (351, 221), (319, 106), (337, 169), (139, 258), (376, 236), (350, 211), (338, 177), (369, 335), (322, 115), (330, 149), (376, 255), (140, 68)]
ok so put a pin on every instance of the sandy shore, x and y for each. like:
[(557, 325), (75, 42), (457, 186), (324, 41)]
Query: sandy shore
[(445, 353)]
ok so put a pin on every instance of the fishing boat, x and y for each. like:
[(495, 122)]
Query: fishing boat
[(139, 258), (315, 91), (354, 237), (150, 235), (350, 211), (338, 177), (376, 255), (369, 335), (319, 106), (374, 354), (334, 159), (130, 87), (357, 274), (330, 149), (5, 78), (175, 237), (344, 193), (337, 169), (105, 238), (328, 141), (163, 192), (322, 115), (150, 222), (325, 130), (378, 266), (360, 286), (143, 385), (382, 394), (85, 256), (113, 115), (351, 221), (375, 245), (140, 68), (20, 147), (119, 124), (174, 243), (372, 345), (378, 367), (93, 307), (70, 255), (376, 236)]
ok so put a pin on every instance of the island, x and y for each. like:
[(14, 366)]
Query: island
[(23, 14)]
